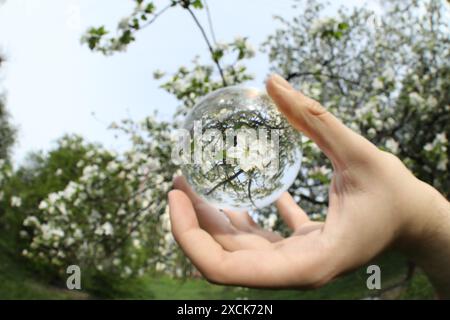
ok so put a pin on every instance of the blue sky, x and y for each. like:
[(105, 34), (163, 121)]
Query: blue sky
[(54, 84)]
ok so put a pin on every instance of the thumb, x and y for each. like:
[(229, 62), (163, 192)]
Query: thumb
[(339, 143)]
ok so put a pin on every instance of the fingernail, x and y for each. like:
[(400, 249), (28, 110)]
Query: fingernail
[(281, 81)]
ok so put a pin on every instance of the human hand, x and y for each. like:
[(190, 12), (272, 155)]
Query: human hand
[(374, 203)]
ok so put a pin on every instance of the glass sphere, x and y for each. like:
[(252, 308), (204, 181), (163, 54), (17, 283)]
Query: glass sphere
[(243, 152)]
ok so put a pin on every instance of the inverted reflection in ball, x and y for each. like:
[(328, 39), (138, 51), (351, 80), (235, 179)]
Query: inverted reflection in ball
[(243, 154)]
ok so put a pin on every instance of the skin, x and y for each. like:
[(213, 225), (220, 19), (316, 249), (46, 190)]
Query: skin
[(375, 203)]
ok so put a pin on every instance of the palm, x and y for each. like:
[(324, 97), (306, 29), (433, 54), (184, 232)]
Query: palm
[(237, 233)]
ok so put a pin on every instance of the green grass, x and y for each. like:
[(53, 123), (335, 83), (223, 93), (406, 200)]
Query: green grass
[(420, 288), (351, 286), (18, 282)]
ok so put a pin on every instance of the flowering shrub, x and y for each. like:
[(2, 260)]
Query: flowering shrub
[(106, 218), (111, 215)]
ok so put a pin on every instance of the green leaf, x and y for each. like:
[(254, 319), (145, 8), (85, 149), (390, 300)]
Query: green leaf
[(126, 37), (343, 26), (217, 55), (150, 8), (92, 43), (100, 31), (136, 24), (197, 4)]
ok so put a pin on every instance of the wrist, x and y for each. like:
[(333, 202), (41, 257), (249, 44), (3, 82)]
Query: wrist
[(425, 235)]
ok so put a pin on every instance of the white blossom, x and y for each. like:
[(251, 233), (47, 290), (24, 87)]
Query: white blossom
[(112, 166), (432, 102), (415, 99), (106, 229), (137, 243), (441, 138), (31, 221), (428, 147), (124, 23), (389, 74), (377, 84), (16, 202), (70, 190), (392, 145), (442, 164)]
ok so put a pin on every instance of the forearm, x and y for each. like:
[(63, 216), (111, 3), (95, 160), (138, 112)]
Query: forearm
[(430, 246), (436, 260)]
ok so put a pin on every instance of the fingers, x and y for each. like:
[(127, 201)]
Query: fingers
[(242, 221), (180, 183), (309, 227), (204, 252), (218, 225), (216, 264), (292, 214), (341, 145)]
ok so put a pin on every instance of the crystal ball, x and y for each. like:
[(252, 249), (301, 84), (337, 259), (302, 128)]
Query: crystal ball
[(240, 153)]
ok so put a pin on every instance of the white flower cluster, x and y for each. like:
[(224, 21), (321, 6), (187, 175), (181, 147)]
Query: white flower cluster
[(188, 85), (438, 149), (320, 25)]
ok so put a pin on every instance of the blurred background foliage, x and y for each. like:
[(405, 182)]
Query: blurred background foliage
[(387, 76)]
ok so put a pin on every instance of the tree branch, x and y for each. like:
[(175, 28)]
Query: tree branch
[(234, 176), (157, 15), (208, 43), (210, 23)]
